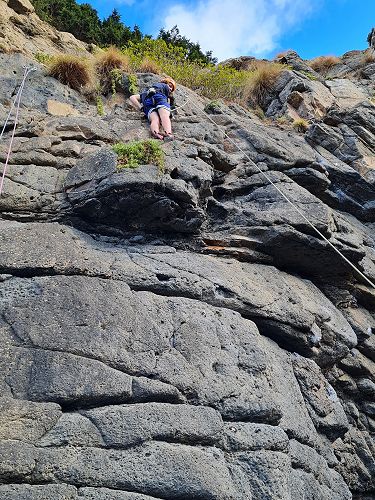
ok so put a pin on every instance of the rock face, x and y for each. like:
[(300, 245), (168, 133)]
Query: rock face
[(186, 334), (23, 31)]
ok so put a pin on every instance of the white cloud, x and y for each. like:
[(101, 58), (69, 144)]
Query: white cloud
[(239, 27)]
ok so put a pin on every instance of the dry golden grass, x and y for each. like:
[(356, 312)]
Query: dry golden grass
[(107, 62), (323, 64), (300, 125), (280, 55), (368, 57), (261, 81), (147, 65), (70, 70)]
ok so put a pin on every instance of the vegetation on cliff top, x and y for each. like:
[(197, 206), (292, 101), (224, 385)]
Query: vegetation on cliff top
[(84, 23)]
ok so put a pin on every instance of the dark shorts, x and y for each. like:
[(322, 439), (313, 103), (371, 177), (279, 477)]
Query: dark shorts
[(151, 104)]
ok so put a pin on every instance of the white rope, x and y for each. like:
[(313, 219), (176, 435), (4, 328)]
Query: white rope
[(17, 103), (293, 204)]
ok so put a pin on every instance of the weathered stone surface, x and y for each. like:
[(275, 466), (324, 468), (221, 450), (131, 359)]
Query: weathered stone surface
[(321, 399), (38, 492), (26, 421), (130, 425), (196, 338), (22, 29), (311, 325), (41, 375), (156, 469), (21, 6), (267, 473), (57, 108), (300, 95), (248, 436), (133, 198), (107, 494), (72, 429), (346, 93)]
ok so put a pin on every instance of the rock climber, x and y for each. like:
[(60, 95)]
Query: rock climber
[(371, 39), (156, 103)]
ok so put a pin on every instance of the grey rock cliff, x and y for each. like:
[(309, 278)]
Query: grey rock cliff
[(186, 335)]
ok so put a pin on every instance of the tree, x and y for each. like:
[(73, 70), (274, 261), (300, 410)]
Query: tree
[(193, 50), (114, 32)]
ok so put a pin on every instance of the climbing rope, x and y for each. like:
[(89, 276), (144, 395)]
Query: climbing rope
[(16, 103), (292, 203)]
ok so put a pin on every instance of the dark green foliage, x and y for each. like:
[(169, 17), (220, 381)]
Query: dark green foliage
[(135, 153), (114, 32), (193, 50), (83, 22), (66, 15), (133, 84)]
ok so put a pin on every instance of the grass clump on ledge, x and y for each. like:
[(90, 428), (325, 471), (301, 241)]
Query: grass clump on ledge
[(300, 125), (323, 64), (261, 82), (70, 70), (109, 66), (368, 57), (135, 153)]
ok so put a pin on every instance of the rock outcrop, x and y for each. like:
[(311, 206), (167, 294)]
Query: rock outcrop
[(21, 30), (186, 334)]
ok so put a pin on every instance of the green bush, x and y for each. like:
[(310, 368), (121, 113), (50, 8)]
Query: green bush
[(212, 106), (135, 153), (99, 105), (133, 84)]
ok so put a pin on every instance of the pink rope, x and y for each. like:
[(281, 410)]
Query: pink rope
[(16, 102)]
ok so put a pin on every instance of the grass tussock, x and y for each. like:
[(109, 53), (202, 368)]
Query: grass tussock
[(250, 86), (147, 65), (323, 64), (261, 82), (281, 55), (109, 66), (368, 57), (135, 153), (300, 125), (70, 70)]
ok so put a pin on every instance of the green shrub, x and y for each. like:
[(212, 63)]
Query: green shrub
[(133, 84), (99, 105), (135, 153), (116, 79), (109, 66), (308, 75), (212, 106)]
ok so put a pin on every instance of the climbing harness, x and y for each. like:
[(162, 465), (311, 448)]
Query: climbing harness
[(293, 204), (16, 103)]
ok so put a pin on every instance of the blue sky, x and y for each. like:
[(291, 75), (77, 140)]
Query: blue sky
[(261, 28)]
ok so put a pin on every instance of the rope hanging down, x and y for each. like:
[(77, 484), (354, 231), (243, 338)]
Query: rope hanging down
[(16, 103), (293, 205)]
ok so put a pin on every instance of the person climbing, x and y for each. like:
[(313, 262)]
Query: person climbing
[(156, 103), (371, 40)]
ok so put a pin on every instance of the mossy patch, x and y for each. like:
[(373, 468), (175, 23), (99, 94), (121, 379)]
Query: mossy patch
[(135, 153)]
